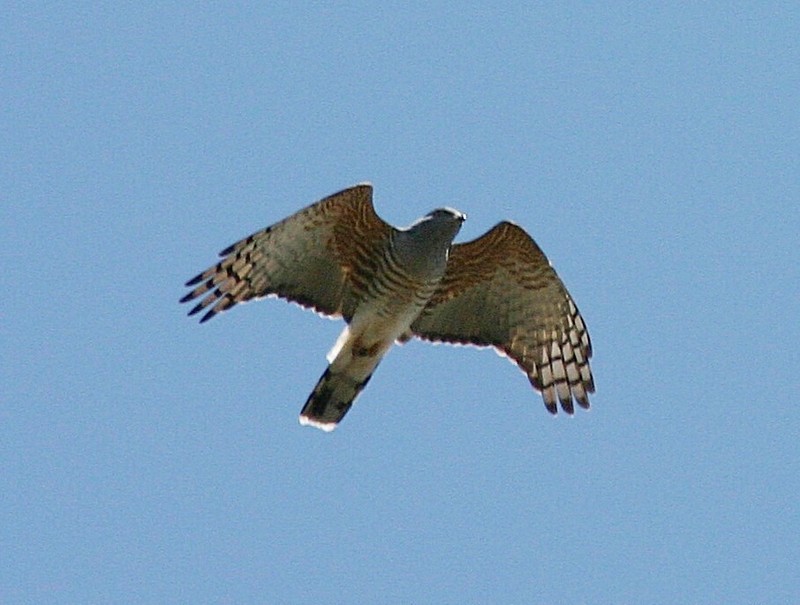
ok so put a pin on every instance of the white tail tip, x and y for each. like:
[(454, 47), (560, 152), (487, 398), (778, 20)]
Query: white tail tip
[(323, 426)]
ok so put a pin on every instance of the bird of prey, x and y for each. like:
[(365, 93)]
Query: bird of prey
[(340, 259)]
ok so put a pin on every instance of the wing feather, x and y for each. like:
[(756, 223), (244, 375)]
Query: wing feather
[(499, 290), (315, 258)]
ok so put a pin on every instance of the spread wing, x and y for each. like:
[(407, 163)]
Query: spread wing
[(317, 258), (500, 290)]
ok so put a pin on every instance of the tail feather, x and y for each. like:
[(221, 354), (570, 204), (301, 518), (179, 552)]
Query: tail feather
[(331, 399)]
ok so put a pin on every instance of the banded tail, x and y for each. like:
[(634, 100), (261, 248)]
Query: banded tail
[(331, 399)]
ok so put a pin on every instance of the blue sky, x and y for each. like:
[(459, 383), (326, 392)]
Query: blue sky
[(652, 151)]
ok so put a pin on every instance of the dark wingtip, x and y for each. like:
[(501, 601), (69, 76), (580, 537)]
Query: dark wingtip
[(208, 316), (187, 297), (194, 281), (245, 242), (196, 309), (552, 408)]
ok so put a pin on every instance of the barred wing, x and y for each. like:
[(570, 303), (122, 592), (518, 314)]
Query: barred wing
[(500, 290), (317, 258)]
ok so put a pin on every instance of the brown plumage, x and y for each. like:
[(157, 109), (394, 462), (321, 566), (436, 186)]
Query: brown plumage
[(500, 290), (340, 259)]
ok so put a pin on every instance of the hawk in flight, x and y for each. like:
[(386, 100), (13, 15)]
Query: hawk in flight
[(339, 258)]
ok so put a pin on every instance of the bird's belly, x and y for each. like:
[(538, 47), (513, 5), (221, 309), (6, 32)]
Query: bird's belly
[(373, 330), (384, 324)]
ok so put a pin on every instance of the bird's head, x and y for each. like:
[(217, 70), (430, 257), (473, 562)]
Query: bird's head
[(442, 224)]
